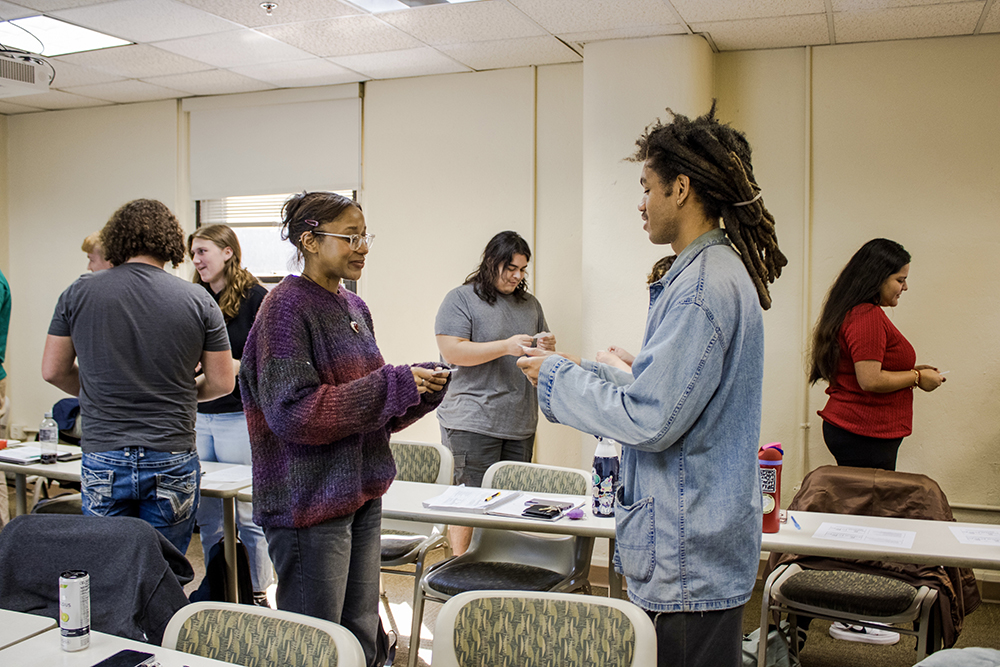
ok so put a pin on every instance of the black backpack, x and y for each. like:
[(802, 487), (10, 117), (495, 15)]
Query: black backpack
[(214, 585)]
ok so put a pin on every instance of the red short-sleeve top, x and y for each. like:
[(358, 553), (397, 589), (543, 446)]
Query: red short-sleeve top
[(868, 335)]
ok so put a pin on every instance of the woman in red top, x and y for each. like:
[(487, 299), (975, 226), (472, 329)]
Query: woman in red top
[(870, 366)]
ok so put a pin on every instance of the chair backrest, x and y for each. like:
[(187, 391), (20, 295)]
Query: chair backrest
[(872, 492), (428, 462), (261, 637), (530, 629), (537, 478)]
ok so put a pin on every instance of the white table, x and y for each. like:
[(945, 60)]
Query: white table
[(45, 650), (16, 626), (210, 488)]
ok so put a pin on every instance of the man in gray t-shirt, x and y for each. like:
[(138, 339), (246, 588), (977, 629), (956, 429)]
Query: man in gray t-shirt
[(139, 334), (491, 410)]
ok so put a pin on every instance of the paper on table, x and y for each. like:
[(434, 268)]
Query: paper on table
[(984, 536), (902, 539), (469, 499), (25, 454), (232, 474)]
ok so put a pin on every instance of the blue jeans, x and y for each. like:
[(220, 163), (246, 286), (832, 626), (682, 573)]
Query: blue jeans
[(160, 488), (331, 571), (224, 438)]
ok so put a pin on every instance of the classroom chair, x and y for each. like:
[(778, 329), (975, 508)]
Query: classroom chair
[(408, 542), (261, 637), (531, 629), (513, 560)]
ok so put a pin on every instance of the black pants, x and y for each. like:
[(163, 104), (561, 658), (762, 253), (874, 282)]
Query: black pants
[(860, 451), (699, 639)]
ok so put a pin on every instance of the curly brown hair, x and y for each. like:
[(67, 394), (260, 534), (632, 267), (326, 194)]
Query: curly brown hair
[(143, 227), (238, 280)]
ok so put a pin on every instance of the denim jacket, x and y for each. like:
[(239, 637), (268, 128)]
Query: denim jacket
[(688, 510)]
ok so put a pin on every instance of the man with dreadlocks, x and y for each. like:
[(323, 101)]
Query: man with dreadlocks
[(688, 414)]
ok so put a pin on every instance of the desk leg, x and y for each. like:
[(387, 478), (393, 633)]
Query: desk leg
[(614, 579), (21, 488), (229, 543)]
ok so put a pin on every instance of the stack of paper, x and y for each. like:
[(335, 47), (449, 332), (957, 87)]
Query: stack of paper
[(469, 499)]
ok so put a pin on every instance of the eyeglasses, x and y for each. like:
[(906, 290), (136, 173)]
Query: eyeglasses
[(355, 239)]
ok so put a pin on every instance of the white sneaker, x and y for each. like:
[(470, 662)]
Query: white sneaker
[(859, 633)]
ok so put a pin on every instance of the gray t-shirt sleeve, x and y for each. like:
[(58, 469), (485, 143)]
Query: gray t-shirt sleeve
[(60, 324), (454, 317), (216, 334)]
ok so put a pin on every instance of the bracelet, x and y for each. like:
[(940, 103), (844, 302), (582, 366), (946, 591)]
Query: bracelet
[(917, 382)]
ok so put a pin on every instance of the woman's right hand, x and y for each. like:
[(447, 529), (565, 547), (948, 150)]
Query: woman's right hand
[(514, 346), (426, 379), (930, 378)]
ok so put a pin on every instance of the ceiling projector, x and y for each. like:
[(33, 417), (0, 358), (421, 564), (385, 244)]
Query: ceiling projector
[(23, 73)]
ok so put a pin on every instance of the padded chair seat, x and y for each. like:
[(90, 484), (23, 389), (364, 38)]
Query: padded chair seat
[(397, 546), (865, 595), (67, 504), (488, 576)]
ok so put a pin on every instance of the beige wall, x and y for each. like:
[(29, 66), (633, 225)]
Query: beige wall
[(4, 197), (898, 139)]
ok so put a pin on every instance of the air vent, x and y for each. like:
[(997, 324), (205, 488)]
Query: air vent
[(13, 70), (22, 77)]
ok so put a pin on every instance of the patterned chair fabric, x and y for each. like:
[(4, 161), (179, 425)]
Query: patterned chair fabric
[(866, 595), (415, 463), (513, 631), (538, 479), (255, 640)]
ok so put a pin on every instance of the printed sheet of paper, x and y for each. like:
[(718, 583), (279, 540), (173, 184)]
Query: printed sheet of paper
[(233, 474), (901, 539), (989, 537)]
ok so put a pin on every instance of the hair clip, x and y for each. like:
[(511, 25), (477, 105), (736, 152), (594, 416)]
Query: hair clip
[(742, 203), (311, 223)]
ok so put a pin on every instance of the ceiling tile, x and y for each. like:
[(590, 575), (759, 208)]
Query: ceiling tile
[(50, 5), (512, 53), (134, 62), (312, 72), (578, 16), (397, 64), (68, 74), (9, 108), (145, 20), (9, 11), (55, 99), (124, 92), (907, 22), (249, 12), (773, 33), (344, 36), (210, 82), (631, 32), (700, 11), (992, 22), (868, 5), (234, 49), (482, 21)]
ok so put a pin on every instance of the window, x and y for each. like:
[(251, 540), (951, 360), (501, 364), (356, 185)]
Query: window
[(257, 223)]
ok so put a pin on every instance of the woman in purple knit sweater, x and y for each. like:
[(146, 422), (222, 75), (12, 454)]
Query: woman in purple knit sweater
[(320, 405)]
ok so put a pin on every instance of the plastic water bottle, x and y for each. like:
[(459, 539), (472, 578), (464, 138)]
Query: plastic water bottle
[(48, 438), (605, 477)]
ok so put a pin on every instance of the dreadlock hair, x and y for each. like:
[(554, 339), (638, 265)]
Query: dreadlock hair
[(716, 158), (859, 282), (498, 254), (238, 280)]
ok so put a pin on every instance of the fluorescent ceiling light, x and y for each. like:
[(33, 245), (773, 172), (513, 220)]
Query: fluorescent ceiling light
[(51, 37), (376, 6)]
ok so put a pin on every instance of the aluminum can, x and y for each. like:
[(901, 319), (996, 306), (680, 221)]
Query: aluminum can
[(74, 610)]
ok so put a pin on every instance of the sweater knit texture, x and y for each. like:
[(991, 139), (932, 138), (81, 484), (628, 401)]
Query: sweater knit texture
[(868, 335), (320, 404)]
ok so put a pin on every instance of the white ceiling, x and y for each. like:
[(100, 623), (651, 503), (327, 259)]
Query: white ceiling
[(205, 47)]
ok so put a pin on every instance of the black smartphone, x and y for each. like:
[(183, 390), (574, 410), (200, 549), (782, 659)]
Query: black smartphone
[(127, 658), (543, 511)]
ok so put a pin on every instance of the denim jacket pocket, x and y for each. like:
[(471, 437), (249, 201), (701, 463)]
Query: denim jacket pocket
[(635, 546), (175, 495)]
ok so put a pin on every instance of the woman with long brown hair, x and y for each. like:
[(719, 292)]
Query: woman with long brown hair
[(869, 365), (221, 426)]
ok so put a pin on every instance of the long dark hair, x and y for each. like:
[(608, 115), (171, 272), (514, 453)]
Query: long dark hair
[(860, 282), (498, 254), (238, 280), (315, 206)]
